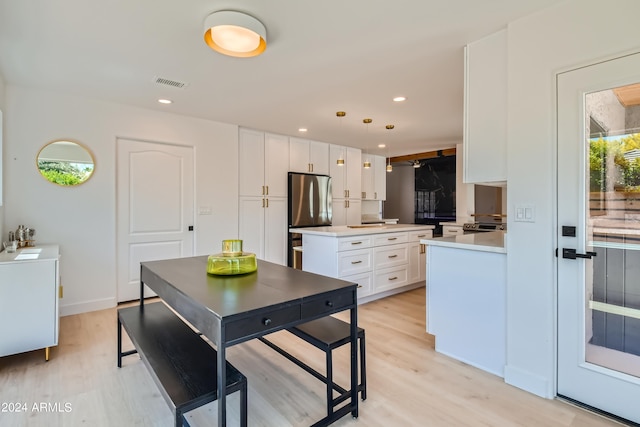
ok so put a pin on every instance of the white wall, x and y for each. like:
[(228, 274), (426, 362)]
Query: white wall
[(82, 219), (573, 33)]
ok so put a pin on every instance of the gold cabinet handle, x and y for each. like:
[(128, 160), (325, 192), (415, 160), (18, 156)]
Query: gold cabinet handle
[(356, 262), (263, 203), (267, 193), (392, 256), (421, 236), (267, 203), (423, 248), (375, 194), (356, 243), (392, 238), (393, 278), (364, 194)]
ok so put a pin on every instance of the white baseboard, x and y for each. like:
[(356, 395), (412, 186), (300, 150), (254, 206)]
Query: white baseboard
[(528, 381), (87, 306)]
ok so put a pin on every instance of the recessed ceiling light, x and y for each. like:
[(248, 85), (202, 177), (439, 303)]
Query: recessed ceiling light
[(399, 98), (165, 101), (381, 145), (302, 130)]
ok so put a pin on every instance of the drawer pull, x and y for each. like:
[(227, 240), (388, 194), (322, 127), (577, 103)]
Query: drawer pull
[(266, 321), (359, 286), (393, 278), (392, 238), (392, 256), (356, 243), (329, 303), (356, 262), (422, 235)]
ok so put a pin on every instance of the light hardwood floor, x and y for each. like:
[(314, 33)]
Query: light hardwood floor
[(409, 384)]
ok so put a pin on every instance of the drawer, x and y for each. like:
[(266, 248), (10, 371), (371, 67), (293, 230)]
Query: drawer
[(358, 242), (364, 281), (391, 255), (390, 238), (390, 278), (270, 320), (451, 230), (416, 236), (331, 304), (353, 262)]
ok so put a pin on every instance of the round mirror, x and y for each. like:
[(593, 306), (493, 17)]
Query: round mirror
[(65, 163)]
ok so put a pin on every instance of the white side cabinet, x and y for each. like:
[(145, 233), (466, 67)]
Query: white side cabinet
[(485, 110), (264, 162), (452, 230), (29, 291), (418, 255)]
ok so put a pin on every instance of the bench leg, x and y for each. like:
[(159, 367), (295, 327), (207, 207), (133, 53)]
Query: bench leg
[(119, 343), (363, 369), (329, 382)]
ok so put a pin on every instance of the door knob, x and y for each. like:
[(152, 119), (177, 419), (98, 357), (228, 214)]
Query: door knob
[(571, 254)]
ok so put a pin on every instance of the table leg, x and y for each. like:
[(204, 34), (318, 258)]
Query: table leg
[(354, 360), (222, 380)]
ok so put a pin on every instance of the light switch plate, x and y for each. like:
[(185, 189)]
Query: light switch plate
[(204, 210), (525, 213)]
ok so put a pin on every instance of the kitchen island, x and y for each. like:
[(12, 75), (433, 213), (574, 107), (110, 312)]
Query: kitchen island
[(466, 298), (383, 259)]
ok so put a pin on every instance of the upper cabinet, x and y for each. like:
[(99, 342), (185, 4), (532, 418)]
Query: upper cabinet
[(346, 178), (308, 156), (374, 179), (264, 163), (485, 110)]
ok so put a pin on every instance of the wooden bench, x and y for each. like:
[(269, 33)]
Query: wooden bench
[(182, 364), (327, 334)]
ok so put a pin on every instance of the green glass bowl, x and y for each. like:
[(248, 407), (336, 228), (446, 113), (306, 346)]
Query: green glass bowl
[(229, 265)]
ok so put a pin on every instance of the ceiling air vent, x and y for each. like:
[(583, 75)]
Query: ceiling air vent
[(169, 82)]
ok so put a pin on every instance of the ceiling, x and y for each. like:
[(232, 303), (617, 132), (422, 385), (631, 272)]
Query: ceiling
[(322, 57)]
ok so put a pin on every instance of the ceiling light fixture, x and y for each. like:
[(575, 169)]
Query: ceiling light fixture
[(302, 130), (235, 34), (399, 98), (367, 161), (389, 167), (165, 101)]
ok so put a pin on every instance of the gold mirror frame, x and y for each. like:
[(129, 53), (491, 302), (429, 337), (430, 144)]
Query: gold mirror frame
[(66, 163)]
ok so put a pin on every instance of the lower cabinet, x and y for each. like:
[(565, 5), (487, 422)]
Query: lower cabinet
[(377, 262), (29, 310), (263, 227)]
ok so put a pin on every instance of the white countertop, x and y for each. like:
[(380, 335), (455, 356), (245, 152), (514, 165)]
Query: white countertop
[(490, 241), (35, 253), (359, 230)]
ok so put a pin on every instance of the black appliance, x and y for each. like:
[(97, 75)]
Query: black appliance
[(309, 200)]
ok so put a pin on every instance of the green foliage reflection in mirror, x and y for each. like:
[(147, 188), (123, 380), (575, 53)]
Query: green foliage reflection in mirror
[(65, 163)]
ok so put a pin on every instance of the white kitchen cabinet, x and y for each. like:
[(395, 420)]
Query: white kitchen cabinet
[(452, 230), (263, 166), (308, 156), (263, 227), (374, 179), (382, 260), (346, 179), (418, 256), (263, 163), (346, 211), (485, 110), (345, 184), (29, 292)]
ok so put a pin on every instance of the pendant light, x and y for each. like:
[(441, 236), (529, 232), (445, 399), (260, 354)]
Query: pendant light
[(341, 114), (389, 167), (367, 161)]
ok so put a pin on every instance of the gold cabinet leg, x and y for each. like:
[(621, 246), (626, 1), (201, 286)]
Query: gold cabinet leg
[(46, 354)]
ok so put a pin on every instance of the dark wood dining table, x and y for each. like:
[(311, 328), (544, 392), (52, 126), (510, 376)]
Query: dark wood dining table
[(229, 310)]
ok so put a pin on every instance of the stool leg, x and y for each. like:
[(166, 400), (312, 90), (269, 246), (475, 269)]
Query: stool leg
[(363, 369), (243, 404), (329, 383)]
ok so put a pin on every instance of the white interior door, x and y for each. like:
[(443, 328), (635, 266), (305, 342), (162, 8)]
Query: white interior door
[(599, 195), (155, 199)]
